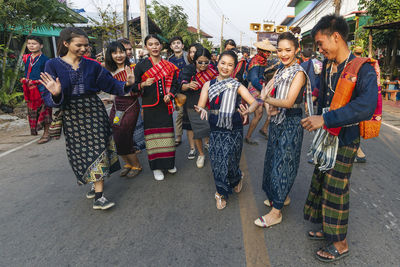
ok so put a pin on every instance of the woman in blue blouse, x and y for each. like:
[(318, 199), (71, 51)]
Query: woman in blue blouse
[(72, 83)]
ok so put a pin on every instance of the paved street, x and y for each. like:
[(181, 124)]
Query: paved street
[(47, 221)]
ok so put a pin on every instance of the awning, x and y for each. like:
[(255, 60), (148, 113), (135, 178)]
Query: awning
[(43, 32)]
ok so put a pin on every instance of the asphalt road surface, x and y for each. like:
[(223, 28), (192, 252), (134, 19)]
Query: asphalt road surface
[(47, 221)]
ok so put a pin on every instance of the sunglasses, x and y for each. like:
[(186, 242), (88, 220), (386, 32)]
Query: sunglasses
[(203, 62)]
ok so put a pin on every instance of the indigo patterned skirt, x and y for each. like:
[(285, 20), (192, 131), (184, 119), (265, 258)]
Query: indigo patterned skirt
[(138, 136), (328, 197), (90, 145), (282, 158), (225, 152)]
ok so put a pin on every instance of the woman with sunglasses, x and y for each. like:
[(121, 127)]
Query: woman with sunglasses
[(193, 77)]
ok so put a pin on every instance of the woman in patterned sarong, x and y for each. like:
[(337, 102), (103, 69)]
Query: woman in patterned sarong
[(123, 126), (156, 80), (73, 82), (282, 157), (226, 136)]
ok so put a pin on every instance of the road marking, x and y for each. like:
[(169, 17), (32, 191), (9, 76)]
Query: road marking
[(27, 144), (18, 148), (391, 126), (253, 236)]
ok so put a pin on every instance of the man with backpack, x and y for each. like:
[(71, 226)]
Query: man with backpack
[(348, 98)]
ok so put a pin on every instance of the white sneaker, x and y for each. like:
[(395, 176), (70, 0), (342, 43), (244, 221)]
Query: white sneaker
[(158, 175), (174, 170), (200, 161), (192, 154)]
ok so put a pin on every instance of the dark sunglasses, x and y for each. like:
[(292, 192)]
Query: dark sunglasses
[(203, 62)]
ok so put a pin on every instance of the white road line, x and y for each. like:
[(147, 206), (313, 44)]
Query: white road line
[(391, 126), (18, 148), (27, 144)]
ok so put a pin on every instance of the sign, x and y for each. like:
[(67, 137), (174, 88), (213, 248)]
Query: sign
[(271, 36)]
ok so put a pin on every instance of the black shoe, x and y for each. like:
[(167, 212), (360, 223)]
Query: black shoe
[(360, 159), (102, 204), (91, 193), (192, 154)]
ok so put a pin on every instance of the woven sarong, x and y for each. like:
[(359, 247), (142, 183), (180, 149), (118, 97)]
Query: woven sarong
[(328, 197), (90, 146)]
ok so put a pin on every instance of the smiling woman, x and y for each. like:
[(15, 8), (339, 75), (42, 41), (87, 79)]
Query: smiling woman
[(72, 82)]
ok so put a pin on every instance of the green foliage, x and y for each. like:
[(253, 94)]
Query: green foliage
[(172, 22), (383, 10), (7, 98), (109, 26), (207, 44)]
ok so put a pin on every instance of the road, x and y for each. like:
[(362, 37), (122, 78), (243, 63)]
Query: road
[(47, 221)]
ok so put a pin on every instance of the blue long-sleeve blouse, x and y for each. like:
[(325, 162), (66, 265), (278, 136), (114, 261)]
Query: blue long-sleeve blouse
[(360, 108), (89, 78)]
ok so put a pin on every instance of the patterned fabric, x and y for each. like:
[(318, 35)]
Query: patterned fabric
[(241, 64), (90, 146), (39, 117), (138, 134), (162, 71), (328, 197), (260, 59), (282, 158), (324, 148), (160, 143), (204, 76), (56, 125), (283, 80), (225, 152), (229, 87)]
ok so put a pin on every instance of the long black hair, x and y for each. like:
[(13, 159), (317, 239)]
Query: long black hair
[(231, 54), (66, 35), (197, 46), (148, 37), (112, 48), (202, 52)]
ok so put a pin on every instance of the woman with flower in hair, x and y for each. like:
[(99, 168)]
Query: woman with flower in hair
[(285, 131)]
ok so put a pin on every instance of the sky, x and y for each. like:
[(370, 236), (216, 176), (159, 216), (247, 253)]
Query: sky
[(239, 14)]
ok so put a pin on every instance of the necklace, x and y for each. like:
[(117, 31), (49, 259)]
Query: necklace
[(330, 73)]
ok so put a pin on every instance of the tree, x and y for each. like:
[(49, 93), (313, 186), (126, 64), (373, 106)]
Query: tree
[(23, 16), (172, 22), (381, 12), (109, 26)]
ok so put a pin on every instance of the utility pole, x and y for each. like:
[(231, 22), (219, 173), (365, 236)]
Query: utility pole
[(126, 19), (143, 21), (221, 49), (198, 20), (338, 5), (241, 38)]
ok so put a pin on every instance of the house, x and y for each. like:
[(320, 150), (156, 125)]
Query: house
[(203, 35)]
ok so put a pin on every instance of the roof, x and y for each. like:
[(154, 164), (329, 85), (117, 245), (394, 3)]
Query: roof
[(287, 20), (293, 3), (135, 24), (384, 26), (203, 34)]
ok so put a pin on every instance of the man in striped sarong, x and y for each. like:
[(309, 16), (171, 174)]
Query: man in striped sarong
[(328, 197)]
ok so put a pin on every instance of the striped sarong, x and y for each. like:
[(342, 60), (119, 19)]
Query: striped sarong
[(328, 197)]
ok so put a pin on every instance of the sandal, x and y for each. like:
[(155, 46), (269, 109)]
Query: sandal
[(220, 205), (44, 139), (134, 171), (314, 235), (260, 222), (125, 170), (250, 142), (268, 203), (178, 142), (263, 133), (239, 186), (331, 249)]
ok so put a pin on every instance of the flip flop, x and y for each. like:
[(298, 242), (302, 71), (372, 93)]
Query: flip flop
[(260, 222), (125, 170), (133, 172), (44, 139), (331, 249), (219, 202), (238, 188), (250, 142), (314, 236), (263, 133), (178, 142)]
